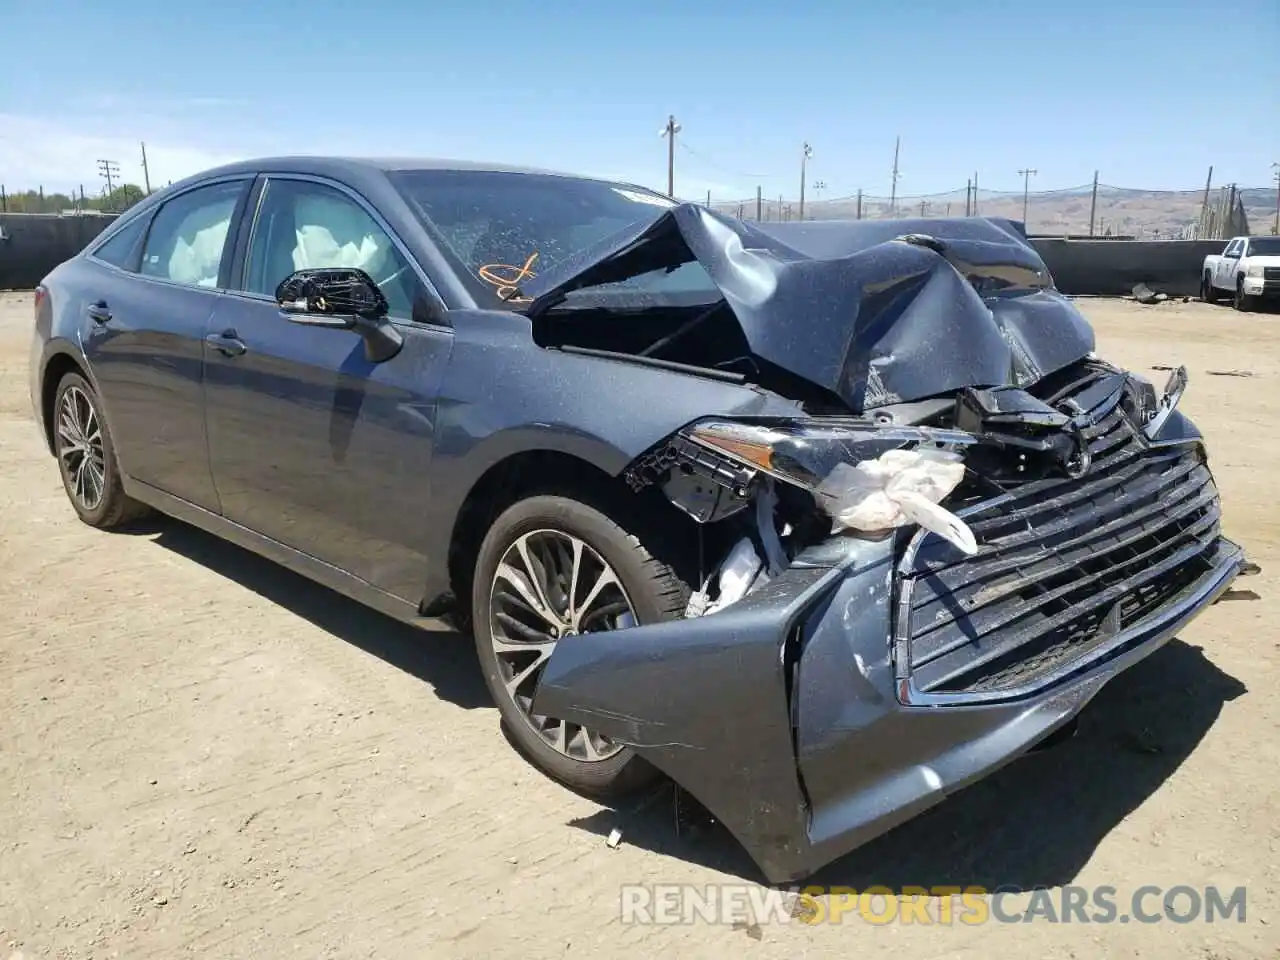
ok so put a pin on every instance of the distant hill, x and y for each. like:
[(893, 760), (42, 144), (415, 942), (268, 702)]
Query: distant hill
[(1141, 213)]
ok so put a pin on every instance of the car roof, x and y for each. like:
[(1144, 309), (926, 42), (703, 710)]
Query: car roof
[(358, 167)]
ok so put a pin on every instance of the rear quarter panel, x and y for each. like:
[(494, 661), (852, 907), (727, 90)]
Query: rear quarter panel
[(57, 331)]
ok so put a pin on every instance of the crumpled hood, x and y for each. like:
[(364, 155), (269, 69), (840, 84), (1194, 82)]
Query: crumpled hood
[(873, 319)]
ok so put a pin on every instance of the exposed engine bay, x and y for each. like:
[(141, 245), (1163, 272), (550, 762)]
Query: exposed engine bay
[(790, 486), (933, 368)]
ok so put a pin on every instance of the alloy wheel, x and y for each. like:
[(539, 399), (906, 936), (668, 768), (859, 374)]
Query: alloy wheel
[(79, 445), (549, 585)]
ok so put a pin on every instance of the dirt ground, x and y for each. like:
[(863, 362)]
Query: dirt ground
[(203, 754)]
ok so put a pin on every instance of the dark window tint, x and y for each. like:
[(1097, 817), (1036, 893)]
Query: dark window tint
[(1264, 247), (501, 228), (188, 236), (118, 250), (303, 225)]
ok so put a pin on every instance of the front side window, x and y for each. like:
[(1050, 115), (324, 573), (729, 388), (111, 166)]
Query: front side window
[(304, 225), (188, 236), (118, 249)]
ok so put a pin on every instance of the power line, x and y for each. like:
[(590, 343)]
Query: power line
[(723, 169)]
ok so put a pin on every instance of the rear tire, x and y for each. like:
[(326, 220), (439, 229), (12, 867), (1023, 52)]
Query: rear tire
[(531, 551), (87, 457), (1207, 292)]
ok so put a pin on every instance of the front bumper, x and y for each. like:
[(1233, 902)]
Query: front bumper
[(1260, 287), (787, 715)]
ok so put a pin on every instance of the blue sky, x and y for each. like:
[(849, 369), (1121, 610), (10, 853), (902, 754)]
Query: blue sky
[(1063, 87)]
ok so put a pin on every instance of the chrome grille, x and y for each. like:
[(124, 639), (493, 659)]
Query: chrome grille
[(1062, 566), (1271, 273)]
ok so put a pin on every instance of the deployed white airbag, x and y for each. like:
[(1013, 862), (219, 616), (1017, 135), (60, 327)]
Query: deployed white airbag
[(897, 488)]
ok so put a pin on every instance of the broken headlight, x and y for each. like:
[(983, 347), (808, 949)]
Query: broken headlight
[(867, 479)]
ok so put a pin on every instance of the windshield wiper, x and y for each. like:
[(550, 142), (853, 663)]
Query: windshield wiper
[(679, 331)]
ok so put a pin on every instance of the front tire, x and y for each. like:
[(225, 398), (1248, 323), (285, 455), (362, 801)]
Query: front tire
[(1242, 302), (1207, 293), (549, 567), (87, 457)]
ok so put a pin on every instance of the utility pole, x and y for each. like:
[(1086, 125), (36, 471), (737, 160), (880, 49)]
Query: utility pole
[(670, 131), (858, 215), (968, 189), (923, 206), (1093, 204), (975, 193), (757, 203), (806, 152), (779, 208), (108, 169), (893, 187), (146, 173), (708, 198), (1276, 167), (1026, 176)]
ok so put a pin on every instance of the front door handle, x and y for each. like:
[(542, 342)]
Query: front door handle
[(99, 312), (226, 343)]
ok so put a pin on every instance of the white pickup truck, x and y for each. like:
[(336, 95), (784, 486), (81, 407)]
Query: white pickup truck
[(1247, 270)]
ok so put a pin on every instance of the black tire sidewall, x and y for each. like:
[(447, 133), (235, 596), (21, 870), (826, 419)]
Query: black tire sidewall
[(618, 549), (111, 487)]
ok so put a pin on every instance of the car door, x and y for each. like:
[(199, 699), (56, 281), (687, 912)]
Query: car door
[(144, 340), (1226, 272), (311, 443)]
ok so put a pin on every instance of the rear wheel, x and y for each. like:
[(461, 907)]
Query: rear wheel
[(552, 567), (87, 457), (1207, 293)]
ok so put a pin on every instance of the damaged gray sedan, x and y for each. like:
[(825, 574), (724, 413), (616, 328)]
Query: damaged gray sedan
[(823, 521)]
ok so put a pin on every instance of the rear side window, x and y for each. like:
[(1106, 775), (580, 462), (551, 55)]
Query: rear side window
[(189, 235), (119, 250)]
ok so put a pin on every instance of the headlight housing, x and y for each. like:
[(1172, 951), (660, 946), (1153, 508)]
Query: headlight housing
[(1254, 270), (868, 479)]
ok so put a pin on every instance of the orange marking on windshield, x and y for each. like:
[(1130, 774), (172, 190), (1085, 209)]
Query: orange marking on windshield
[(507, 285)]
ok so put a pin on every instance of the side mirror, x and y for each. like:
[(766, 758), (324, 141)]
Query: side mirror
[(341, 298)]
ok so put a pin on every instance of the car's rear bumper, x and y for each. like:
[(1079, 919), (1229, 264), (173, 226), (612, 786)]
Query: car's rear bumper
[(784, 716), (35, 373)]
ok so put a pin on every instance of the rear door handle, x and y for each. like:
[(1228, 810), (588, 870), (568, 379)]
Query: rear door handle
[(226, 343), (98, 312)]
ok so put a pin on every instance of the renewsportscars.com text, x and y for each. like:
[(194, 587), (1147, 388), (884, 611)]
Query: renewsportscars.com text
[(945, 905)]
